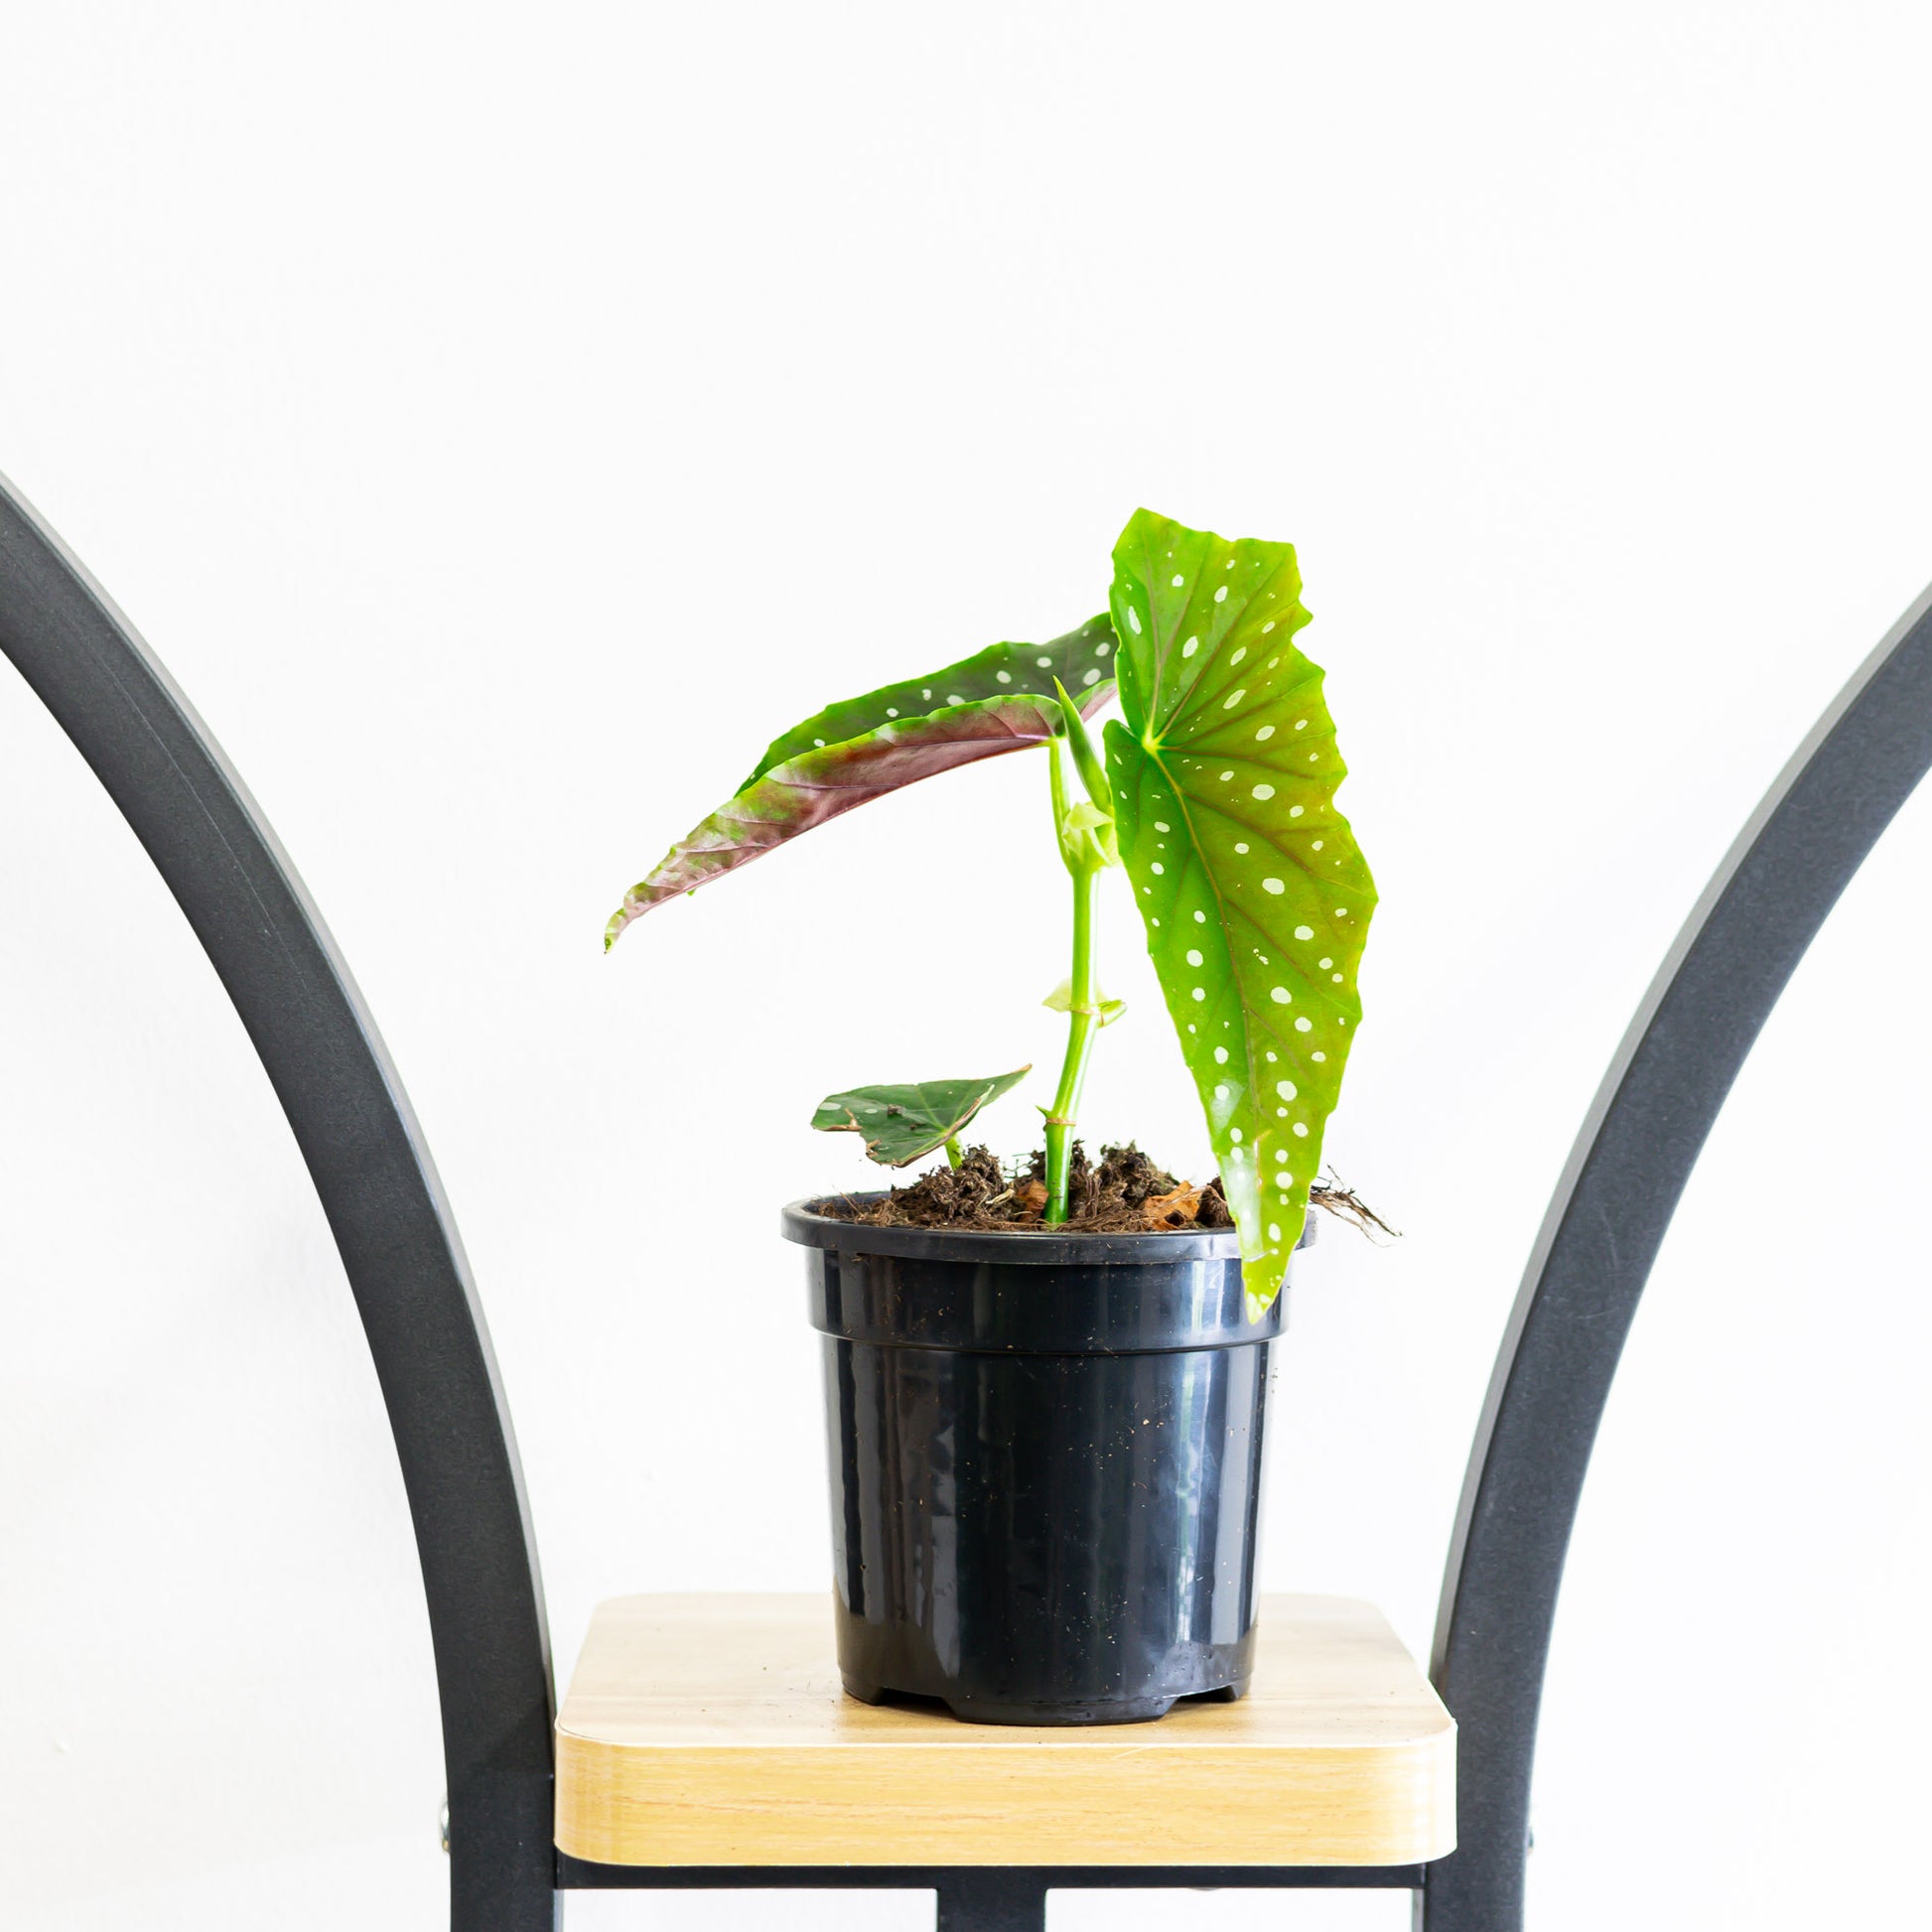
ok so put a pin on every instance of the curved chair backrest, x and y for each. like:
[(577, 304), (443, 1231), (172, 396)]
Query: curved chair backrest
[(426, 1331), (1642, 1137), (386, 1206)]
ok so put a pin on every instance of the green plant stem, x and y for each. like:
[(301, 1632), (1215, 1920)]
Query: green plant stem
[(953, 1156), (1082, 1022)]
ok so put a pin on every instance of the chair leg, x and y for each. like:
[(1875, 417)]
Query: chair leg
[(1478, 1888), (998, 1898)]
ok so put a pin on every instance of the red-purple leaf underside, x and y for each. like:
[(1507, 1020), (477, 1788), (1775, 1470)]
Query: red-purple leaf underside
[(820, 784)]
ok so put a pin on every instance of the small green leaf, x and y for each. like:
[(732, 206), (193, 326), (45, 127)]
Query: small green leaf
[(1255, 894), (1085, 832), (1010, 702), (1086, 761), (901, 1125), (1087, 836), (1082, 661)]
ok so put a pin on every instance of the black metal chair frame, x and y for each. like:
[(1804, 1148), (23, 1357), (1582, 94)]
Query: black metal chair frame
[(426, 1331)]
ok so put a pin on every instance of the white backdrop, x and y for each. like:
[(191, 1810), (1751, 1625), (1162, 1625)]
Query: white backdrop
[(503, 420)]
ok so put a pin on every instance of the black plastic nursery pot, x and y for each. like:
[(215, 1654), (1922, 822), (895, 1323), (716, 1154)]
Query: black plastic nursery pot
[(1045, 1458)]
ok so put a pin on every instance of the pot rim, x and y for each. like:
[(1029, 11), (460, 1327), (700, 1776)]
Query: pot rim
[(800, 1221)]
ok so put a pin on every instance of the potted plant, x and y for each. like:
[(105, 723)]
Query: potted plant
[(1046, 1387)]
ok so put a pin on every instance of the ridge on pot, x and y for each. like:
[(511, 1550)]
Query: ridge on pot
[(1046, 1457)]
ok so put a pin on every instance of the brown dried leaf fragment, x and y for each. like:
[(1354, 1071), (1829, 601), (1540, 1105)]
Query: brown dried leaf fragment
[(1176, 1210), (1030, 1196)]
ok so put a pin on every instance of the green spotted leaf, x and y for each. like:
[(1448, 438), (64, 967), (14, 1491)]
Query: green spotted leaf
[(1002, 700), (1254, 892), (901, 1125), (1082, 661)]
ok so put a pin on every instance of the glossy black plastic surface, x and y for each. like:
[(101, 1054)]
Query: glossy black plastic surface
[(1045, 1469)]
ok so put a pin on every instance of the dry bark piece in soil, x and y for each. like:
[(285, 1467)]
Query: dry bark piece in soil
[(1176, 1210)]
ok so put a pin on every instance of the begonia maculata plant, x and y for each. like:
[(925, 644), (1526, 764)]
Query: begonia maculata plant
[(1214, 792)]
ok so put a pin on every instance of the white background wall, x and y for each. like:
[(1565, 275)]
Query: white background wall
[(502, 421)]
